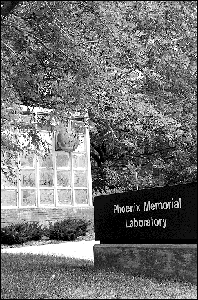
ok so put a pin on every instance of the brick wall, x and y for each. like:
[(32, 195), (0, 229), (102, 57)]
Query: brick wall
[(44, 215)]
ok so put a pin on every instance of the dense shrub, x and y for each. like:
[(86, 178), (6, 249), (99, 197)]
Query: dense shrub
[(69, 229), (65, 230), (21, 232)]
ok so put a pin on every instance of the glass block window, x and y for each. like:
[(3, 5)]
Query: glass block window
[(80, 179), (64, 197), (81, 147), (28, 178), (46, 177), (79, 161), (63, 160), (63, 178), (58, 178), (81, 196), (9, 197), (47, 197), (10, 180), (28, 197), (27, 161), (46, 162)]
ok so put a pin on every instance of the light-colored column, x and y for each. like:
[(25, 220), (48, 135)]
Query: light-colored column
[(87, 137)]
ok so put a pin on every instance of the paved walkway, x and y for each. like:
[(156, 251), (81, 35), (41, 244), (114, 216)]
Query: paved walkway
[(80, 250)]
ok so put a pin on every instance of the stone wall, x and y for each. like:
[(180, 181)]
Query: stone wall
[(169, 261), (44, 215)]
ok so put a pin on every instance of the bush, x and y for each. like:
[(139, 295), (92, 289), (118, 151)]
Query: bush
[(69, 229), (21, 232), (66, 230)]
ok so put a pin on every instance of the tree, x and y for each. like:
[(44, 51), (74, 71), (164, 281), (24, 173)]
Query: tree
[(167, 84), (132, 65), (7, 7)]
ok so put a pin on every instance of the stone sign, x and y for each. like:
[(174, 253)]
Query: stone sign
[(158, 215), (160, 261)]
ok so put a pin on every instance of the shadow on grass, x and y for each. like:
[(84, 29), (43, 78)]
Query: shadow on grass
[(29, 276), (42, 262)]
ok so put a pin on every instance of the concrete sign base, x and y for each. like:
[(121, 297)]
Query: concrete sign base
[(161, 261)]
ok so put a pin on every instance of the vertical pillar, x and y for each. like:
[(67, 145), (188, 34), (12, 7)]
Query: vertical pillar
[(87, 137)]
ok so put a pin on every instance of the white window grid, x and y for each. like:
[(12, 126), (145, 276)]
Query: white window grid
[(55, 188)]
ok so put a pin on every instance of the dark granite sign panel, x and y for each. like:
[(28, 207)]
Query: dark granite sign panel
[(162, 214)]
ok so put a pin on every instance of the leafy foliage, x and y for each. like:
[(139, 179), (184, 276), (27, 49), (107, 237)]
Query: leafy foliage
[(65, 230), (21, 232), (131, 64), (68, 230)]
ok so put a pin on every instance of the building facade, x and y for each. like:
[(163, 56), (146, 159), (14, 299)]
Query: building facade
[(52, 186)]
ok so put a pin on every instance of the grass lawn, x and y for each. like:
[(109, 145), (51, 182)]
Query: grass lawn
[(26, 276)]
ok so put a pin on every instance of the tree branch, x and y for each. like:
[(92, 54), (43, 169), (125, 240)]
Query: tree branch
[(29, 33), (7, 46), (97, 159), (7, 7), (146, 154), (99, 150), (38, 40)]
